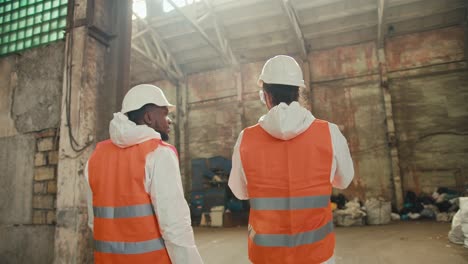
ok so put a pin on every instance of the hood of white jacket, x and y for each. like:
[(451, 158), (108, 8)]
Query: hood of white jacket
[(125, 133), (286, 121)]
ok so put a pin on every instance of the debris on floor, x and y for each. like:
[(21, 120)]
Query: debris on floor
[(351, 215), (440, 206), (375, 211), (458, 234), (395, 217), (378, 211)]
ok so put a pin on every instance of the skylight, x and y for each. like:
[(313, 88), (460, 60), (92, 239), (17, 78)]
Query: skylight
[(139, 8), (167, 7)]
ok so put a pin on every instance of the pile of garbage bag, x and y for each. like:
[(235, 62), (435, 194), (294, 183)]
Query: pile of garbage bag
[(440, 206), (459, 232), (354, 213), (444, 205)]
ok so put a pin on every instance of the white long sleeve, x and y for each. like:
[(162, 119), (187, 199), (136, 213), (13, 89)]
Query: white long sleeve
[(89, 199), (237, 179), (342, 168), (164, 184)]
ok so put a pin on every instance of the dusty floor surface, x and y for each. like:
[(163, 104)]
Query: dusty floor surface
[(405, 242)]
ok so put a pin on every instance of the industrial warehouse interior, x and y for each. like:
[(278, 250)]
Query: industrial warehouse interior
[(392, 75)]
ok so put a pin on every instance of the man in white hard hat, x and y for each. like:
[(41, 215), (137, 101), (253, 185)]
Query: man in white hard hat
[(287, 165), (136, 203)]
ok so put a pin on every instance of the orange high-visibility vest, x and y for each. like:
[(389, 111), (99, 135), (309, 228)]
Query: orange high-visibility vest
[(126, 229), (288, 182)]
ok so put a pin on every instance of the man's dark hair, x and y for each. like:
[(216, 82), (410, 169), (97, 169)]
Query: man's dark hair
[(282, 93), (136, 116)]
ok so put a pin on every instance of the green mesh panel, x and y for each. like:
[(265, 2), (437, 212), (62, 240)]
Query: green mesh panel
[(26, 24)]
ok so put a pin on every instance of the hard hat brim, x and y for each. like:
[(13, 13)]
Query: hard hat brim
[(300, 84), (170, 107)]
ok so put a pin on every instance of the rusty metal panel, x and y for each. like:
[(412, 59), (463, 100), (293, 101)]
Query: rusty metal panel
[(250, 73), (254, 109), (343, 62), (430, 115), (213, 130), (357, 108), (211, 85), (425, 48)]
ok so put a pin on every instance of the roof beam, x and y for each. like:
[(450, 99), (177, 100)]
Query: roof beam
[(139, 33), (222, 48), (339, 13), (221, 33), (310, 4), (466, 33), (423, 12), (158, 53), (293, 20), (170, 74), (381, 24), (258, 18), (170, 18)]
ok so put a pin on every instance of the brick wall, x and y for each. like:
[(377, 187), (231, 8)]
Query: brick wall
[(45, 178)]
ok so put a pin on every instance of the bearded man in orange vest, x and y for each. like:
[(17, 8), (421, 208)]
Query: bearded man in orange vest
[(287, 165), (136, 204)]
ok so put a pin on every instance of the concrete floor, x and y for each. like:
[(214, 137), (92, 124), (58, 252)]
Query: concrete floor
[(404, 242)]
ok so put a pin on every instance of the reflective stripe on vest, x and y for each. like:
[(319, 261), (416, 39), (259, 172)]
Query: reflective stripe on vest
[(291, 203), (129, 247), (123, 211), (269, 240)]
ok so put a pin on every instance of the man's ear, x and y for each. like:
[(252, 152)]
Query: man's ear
[(269, 100), (147, 118)]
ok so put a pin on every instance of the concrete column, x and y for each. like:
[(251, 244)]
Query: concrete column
[(187, 179), (240, 99), (72, 237), (178, 118), (306, 94), (91, 90), (390, 126), (182, 142), (466, 34), (116, 74)]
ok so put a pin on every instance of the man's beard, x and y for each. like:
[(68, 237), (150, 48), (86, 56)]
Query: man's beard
[(164, 136)]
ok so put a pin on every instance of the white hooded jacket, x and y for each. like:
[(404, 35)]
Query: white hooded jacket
[(163, 183), (286, 122)]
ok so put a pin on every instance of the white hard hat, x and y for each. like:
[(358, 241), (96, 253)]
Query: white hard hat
[(143, 94), (281, 69)]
